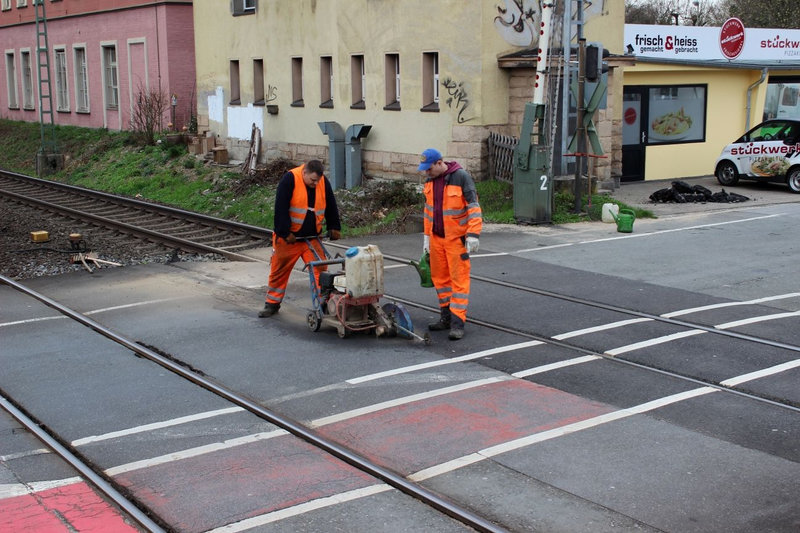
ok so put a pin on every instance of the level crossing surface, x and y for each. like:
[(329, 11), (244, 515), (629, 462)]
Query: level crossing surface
[(569, 417)]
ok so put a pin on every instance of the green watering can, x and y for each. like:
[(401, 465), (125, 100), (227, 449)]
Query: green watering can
[(423, 269), (624, 220)]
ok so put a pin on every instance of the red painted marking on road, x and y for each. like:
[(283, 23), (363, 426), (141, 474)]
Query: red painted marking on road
[(416, 436), (242, 482), (73, 507)]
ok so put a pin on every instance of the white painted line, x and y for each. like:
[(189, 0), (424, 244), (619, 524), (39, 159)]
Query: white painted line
[(156, 425), (771, 371), (654, 341), (20, 455), (126, 306), (13, 490), (756, 319), (529, 440), (194, 452), (555, 366), (442, 362), (610, 325), (404, 400), (298, 510), (730, 304), (552, 246)]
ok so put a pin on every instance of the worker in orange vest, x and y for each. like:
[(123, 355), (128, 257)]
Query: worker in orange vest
[(452, 222), (303, 199)]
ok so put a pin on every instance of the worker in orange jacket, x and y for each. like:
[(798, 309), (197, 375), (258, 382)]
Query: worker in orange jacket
[(452, 222), (303, 200)]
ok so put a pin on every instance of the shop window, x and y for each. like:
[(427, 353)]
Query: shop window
[(782, 98), (259, 97), (357, 82), (62, 94), (392, 82), (326, 81), (81, 81), (676, 114), (430, 81), (11, 81), (236, 95), (297, 82)]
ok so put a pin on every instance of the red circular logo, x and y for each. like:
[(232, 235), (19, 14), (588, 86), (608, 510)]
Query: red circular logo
[(731, 38), (630, 116)]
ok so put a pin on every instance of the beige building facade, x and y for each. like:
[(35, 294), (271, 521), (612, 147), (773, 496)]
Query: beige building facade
[(419, 73)]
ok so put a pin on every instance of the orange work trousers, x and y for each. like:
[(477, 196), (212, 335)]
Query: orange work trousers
[(284, 257), (450, 274)]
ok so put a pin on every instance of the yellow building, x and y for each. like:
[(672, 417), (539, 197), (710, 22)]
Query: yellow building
[(414, 73)]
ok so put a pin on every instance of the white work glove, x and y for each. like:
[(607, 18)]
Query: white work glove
[(426, 243), (472, 244)]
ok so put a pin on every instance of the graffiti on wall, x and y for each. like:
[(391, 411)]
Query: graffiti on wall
[(517, 21), (457, 98), (272, 93)]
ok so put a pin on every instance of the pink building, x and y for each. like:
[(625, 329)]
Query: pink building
[(102, 54)]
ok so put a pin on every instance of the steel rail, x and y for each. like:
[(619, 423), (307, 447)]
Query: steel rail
[(348, 456), (85, 470)]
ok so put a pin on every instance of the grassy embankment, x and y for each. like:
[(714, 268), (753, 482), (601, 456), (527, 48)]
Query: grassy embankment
[(166, 173)]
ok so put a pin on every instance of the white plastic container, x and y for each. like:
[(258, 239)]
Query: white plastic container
[(363, 267), (607, 210)]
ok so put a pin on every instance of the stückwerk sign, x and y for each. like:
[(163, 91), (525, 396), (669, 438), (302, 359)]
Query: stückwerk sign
[(731, 42)]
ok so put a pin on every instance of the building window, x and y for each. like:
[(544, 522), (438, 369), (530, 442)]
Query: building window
[(392, 82), (326, 81), (111, 80), (430, 81), (676, 114), (81, 81), (6, 5), (357, 82), (62, 94), (11, 81), (243, 7), (22, 3), (297, 82), (27, 80), (258, 82), (236, 95)]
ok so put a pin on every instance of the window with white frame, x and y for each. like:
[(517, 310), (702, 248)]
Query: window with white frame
[(111, 80), (81, 81), (22, 3), (62, 94), (392, 82), (6, 5), (243, 7), (11, 80), (357, 82), (27, 80), (326, 81), (430, 81)]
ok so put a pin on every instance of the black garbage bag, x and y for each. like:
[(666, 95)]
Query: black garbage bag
[(663, 195), (681, 193), (682, 187), (699, 189)]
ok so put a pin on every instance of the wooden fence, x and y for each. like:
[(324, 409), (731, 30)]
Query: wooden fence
[(501, 156)]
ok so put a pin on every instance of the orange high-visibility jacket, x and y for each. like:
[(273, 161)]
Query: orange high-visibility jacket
[(298, 205), (461, 210)]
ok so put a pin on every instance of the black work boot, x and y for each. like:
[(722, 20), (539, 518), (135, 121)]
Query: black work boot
[(456, 329), (444, 321), (269, 310)]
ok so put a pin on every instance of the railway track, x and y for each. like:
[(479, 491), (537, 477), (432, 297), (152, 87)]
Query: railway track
[(168, 226)]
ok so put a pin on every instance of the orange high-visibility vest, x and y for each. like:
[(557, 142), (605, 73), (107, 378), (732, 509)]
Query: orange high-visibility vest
[(461, 216), (298, 205)]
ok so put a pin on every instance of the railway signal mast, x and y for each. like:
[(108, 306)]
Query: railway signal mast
[(48, 159)]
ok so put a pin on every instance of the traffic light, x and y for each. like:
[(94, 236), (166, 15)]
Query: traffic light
[(594, 66)]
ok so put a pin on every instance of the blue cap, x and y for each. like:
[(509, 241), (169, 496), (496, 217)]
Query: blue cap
[(428, 158)]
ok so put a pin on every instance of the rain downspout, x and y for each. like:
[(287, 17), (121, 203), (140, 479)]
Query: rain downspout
[(750, 94)]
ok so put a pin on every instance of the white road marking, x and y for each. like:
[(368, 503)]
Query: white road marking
[(96, 311), (730, 304), (771, 371), (756, 319), (603, 327), (654, 341), (555, 366), (13, 490), (20, 455), (156, 425), (442, 362), (300, 509)]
